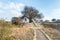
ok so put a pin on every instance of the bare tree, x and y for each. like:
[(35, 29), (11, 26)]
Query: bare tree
[(31, 13)]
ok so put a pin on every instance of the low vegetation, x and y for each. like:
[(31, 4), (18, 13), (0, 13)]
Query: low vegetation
[(4, 33), (13, 32), (53, 30), (5, 30), (22, 34)]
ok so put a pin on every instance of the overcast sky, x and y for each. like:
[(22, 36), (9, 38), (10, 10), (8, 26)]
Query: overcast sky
[(49, 8)]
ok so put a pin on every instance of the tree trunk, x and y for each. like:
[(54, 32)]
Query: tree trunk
[(30, 20)]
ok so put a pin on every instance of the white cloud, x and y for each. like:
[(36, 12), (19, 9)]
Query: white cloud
[(16, 6), (1, 11), (47, 18), (11, 8), (1, 4), (12, 5), (56, 11), (15, 13)]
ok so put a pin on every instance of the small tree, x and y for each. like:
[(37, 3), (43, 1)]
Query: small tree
[(15, 20), (31, 13), (54, 20), (18, 21)]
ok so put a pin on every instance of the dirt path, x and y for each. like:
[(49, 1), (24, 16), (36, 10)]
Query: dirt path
[(40, 35)]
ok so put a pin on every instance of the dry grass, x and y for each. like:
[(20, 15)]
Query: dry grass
[(52, 32), (5, 30), (13, 32), (4, 33), (16, 33), (29, 25), (22, 34)]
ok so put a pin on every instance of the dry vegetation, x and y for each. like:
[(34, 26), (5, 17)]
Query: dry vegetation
[(13, 32), (53, 31), (22, 34), (5, 30)]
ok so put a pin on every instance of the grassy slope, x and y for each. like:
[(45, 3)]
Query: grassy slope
[(13, 32), (52, 30), (22, 34)]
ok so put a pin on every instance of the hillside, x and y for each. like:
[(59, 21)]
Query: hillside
[(15, 32), (53, 30)]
